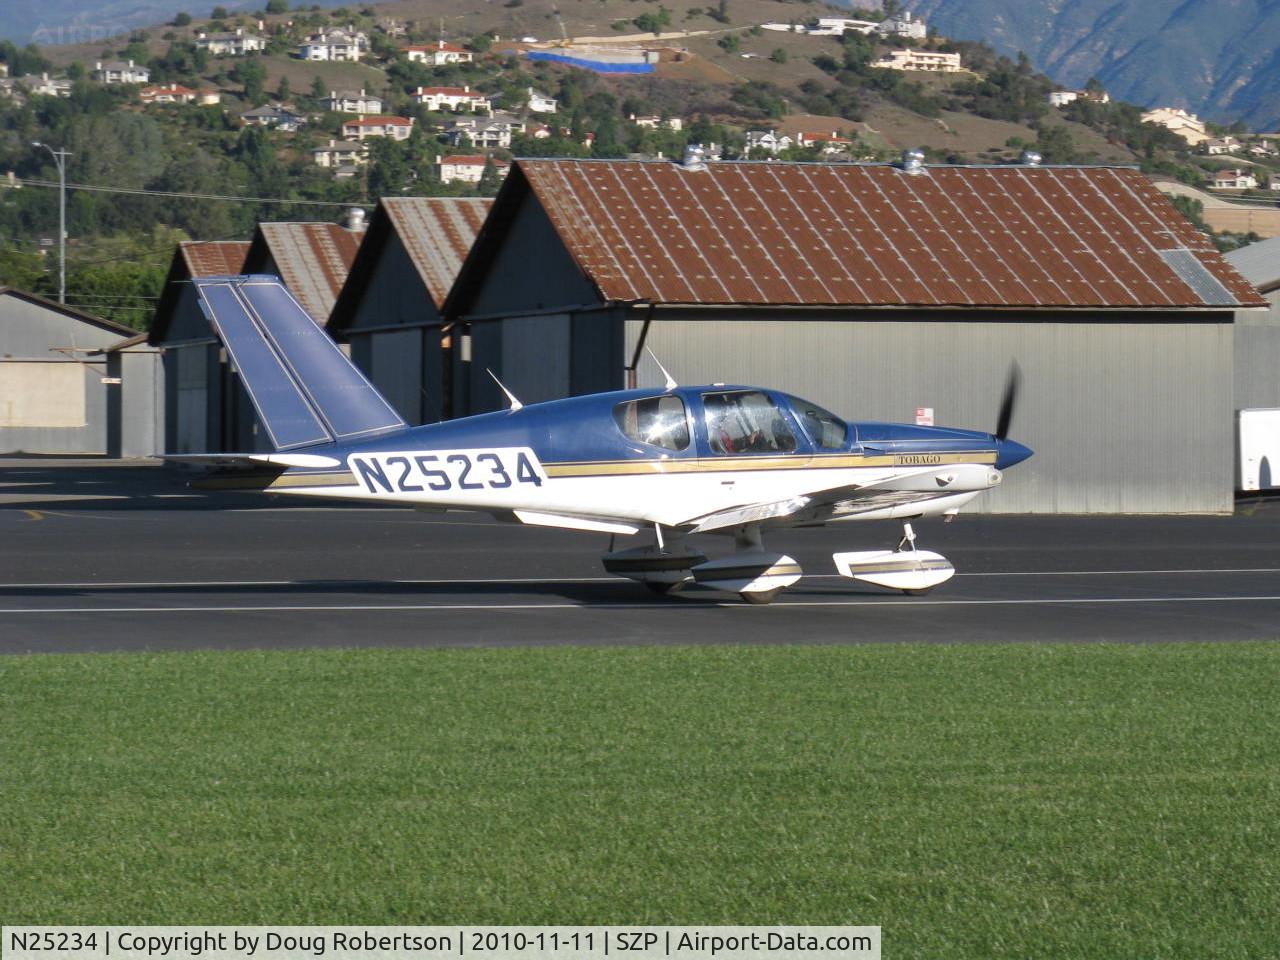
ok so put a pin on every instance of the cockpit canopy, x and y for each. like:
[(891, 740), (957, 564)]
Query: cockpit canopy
[(737, 421)]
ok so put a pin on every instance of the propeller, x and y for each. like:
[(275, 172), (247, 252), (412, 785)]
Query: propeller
[(1008, 401)]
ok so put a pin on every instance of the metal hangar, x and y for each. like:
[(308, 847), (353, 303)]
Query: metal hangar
[(884, 292)]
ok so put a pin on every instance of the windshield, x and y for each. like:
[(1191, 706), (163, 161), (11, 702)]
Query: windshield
[(827, 431)]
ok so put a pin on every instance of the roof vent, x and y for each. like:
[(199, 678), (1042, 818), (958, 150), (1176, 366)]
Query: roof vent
[(1030, 158), (694, 157), (913, 160), (355, 219)]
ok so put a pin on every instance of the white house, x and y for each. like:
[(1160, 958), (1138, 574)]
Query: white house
[(903, 25), (397, 128), (231, 44), (1217, 146), (351, 101), (767, 140), (340, 153), (540, 102), (467, 169), (831, 143), (439, 53), (450, 98), (168, 93), (1060, 98), (1186, 125), (117, 71), (45, 85), (835, 26), (927, 61), (1233, 180), (653, 122), (341, 45)]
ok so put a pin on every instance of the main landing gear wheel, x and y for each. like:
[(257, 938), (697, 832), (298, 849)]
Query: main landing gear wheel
[(664, 589)]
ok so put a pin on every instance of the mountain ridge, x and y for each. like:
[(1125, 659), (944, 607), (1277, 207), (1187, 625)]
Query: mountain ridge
[(1218, 59)]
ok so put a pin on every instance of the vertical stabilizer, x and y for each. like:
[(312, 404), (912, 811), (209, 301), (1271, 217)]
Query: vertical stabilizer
[(304, 389)]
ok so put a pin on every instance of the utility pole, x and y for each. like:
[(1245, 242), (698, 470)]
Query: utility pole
[(60, 158)]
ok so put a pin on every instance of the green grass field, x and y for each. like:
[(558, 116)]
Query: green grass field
[(1000, 801)]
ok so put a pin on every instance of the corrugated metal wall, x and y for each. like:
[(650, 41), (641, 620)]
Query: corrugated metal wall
[(1258, 356), (63, 406), (1124, 417)]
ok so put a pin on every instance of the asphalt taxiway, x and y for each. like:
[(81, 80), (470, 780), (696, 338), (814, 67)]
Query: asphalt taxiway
[(96, 558)]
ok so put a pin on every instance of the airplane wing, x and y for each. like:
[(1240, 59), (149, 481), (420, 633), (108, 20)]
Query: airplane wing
[(843, 500), (281, 460)]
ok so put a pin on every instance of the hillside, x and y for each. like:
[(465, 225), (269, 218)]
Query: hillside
[(718, 78), (1219, 60)]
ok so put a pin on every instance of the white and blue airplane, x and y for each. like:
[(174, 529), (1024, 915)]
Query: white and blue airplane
[(661, 463)]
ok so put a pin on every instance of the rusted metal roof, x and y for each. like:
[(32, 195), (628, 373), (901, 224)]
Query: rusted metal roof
[(213, 258), (846, 234), (313, 260), (436, 232)]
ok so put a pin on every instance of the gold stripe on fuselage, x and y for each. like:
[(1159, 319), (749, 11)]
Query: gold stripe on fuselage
[(613, 468)]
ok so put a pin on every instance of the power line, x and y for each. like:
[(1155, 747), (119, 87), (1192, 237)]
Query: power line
[(188, 196)]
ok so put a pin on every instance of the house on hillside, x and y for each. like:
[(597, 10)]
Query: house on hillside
[(274, 116), (1217, 146), (1186, 125), (451, 98), (902, 25), (830, 143), (236, 44), (484, 132), (335, 45), (168, 93), (438, 54), (539, 102), (389, 307), (397, 128), (340, 153), (836, 26), (467, 169), (767, 140), (46, 86), (1123, 321), (922, 61), (119, 71), (1233, 180), (352, 101), (653, 122)]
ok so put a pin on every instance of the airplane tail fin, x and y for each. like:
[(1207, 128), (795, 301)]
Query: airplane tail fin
[(304, 389)]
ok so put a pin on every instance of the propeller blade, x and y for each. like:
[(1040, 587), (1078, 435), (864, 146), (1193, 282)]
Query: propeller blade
[(1009, 400)]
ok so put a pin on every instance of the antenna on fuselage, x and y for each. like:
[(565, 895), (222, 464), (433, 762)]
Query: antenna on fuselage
[(515, 404), (671, 383)]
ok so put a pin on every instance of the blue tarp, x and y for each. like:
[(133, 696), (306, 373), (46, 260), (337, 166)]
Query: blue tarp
[(599, 66)]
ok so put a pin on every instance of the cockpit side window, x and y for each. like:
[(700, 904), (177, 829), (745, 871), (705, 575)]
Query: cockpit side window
[(827, 431), (746, 421), (657, 421)]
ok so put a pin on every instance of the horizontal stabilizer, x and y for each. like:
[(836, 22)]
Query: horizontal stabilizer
[(303, 388)]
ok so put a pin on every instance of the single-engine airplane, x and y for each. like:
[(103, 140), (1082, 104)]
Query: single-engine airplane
[(672, 462)]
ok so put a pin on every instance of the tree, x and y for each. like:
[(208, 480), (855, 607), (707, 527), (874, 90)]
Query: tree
[(277, 6), (284, 90), (182, 19), (318, 90), (729, 43), (252, 74), (778, 56), (219, 13), (490, 180)]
